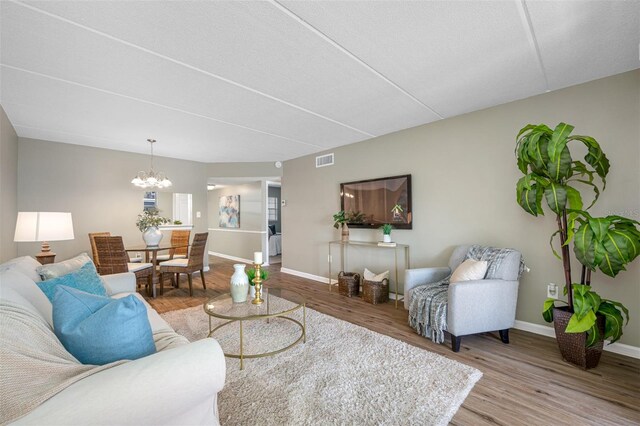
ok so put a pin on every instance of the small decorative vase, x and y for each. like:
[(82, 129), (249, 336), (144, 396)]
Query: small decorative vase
[(152, 236), (239, 284), (345, 232), (386, 238), (252, 291)]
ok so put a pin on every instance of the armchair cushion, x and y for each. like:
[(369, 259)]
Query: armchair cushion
[(469, 270)]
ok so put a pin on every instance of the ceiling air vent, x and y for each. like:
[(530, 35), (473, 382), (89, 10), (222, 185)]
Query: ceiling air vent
[(324, 160)]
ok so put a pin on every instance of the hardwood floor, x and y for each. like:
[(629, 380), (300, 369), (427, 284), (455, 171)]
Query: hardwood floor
[(524, 382)]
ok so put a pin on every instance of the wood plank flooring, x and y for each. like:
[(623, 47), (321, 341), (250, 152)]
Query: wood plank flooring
[(524, 382)]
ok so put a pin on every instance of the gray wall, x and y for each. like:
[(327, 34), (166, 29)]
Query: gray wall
[(94, 185), (238, 242), (8, 187), (464, 175)]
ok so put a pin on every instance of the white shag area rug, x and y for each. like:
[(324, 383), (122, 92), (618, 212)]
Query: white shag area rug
[(343, 375)]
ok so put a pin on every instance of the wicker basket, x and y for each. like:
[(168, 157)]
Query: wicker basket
[(375, 291), (348, 283), (572, 345)]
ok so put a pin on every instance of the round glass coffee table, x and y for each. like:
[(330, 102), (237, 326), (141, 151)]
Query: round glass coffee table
[(278, 303)]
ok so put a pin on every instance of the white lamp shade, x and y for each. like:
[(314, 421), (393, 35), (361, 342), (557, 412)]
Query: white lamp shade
[(43, 226)]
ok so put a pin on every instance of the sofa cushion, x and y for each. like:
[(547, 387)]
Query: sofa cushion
[(59, 269), (86, 279), (99, 330), (13, 282), (470, 270), (25, 264)]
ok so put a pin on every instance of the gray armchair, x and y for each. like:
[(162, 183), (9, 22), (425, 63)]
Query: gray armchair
[(474, 306)]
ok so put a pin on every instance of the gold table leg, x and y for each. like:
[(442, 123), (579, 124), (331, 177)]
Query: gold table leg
[(241, 351)]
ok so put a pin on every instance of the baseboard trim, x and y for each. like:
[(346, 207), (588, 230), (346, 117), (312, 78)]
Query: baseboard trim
[(618, 348), (317, 278), (226, 256)]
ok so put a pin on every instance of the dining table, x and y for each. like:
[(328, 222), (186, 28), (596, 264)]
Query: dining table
[(151, 256)]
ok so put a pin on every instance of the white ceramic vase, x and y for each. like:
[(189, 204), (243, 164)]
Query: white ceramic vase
[(386, 238), (152, 236), (239, 284), (252, 291)]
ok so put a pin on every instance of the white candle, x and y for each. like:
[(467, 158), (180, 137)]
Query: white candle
[(257, 257)]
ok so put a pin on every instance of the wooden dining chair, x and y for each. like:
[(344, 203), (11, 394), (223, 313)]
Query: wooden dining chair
[(113, 259), (179, 239), (188, 266)]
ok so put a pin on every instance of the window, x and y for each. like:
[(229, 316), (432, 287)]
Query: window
[(150, 201), (272, 208)]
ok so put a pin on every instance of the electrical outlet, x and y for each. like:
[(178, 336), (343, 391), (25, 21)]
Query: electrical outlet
[(329, 258), (198, 215), (552, 291)]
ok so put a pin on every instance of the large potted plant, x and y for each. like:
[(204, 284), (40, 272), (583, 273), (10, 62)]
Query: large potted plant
[(607, 243)]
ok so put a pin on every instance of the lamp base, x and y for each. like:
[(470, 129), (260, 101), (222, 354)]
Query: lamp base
[(45, 258)]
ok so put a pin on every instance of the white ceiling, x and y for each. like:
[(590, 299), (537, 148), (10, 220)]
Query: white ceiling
[(219, 81)]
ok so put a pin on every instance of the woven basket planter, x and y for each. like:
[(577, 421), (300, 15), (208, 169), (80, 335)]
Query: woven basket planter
[(572, 345), (375, 291), (348, 283)]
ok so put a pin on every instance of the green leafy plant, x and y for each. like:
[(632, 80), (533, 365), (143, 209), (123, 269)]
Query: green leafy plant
[(251, 274), (386, 229), (607, 243), (177, 222), (339, 219), (149, 219)]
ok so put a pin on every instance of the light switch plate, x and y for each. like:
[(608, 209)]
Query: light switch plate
[(198, 215), (552, 291)]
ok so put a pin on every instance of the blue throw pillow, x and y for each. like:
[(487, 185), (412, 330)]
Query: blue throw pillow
[(98, 330), (86, 279)]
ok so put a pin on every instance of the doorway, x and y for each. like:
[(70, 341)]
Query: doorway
[(274, 222)]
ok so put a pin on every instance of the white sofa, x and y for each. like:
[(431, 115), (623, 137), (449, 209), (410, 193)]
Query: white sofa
[(178, 385)]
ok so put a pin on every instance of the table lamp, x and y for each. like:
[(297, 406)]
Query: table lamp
[(43, 227)]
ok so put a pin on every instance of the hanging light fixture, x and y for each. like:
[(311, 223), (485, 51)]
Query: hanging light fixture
[(151, 179)]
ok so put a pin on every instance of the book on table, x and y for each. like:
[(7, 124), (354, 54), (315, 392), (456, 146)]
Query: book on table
[(383, 244)]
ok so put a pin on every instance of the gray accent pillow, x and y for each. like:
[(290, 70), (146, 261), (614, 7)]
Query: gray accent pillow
[(59, 269)]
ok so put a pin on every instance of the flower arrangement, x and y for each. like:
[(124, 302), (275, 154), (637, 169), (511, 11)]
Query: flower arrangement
[(150, 219)]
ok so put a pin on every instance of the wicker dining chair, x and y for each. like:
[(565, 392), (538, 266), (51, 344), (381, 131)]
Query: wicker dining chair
[(187, 266), (113, 259), (179, 238), (92, 241)]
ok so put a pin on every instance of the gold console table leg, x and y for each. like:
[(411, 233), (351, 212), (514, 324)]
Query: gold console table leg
[(241, 349)]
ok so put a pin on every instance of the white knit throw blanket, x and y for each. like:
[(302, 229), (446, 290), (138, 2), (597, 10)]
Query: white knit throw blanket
[(34, 366)]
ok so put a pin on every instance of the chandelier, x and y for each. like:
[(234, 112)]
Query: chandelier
[(151, 179)]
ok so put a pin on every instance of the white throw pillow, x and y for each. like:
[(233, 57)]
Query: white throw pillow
[(470, 270), (55, 270), (27, 265), (370, 276)]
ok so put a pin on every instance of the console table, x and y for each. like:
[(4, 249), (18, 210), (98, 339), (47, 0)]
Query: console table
[(344, 248)]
